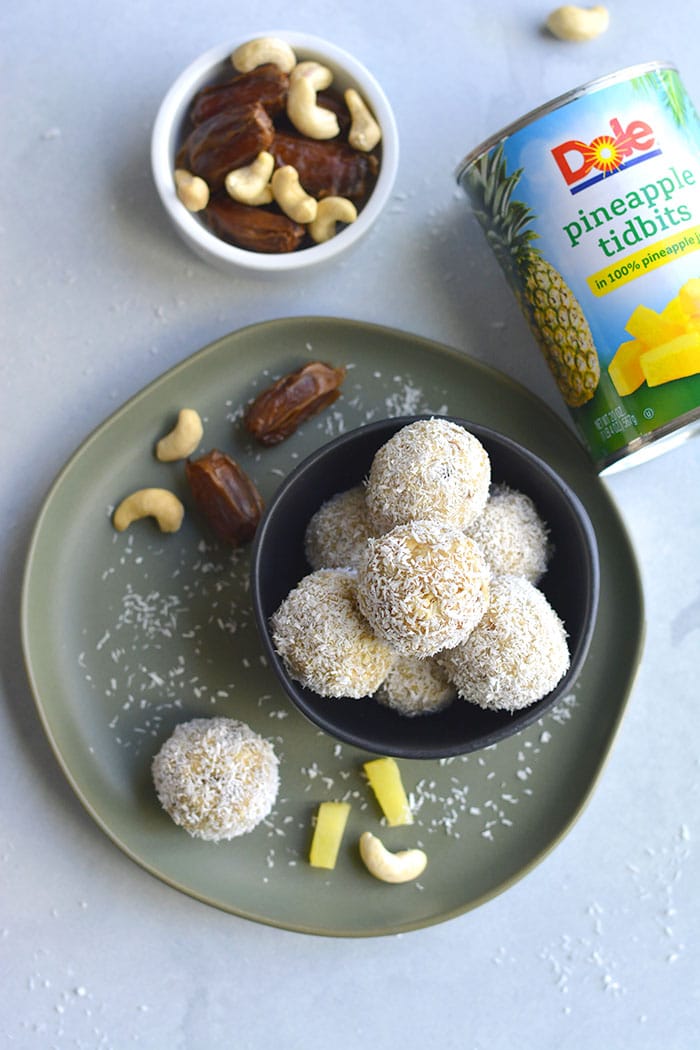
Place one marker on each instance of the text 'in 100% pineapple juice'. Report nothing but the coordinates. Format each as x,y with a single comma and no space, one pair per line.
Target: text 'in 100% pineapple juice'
592,206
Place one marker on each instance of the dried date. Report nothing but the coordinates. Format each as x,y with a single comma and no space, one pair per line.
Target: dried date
254,228
225,496
226,141
327,168
277,412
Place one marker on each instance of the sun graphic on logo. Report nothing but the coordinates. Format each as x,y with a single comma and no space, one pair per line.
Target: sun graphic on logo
604,154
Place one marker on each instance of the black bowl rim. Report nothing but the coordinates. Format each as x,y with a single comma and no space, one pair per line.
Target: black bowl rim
520,719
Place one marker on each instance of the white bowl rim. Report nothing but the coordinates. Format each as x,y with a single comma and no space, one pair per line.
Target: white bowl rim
172,110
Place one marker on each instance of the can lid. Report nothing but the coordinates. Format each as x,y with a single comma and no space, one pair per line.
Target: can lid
561,100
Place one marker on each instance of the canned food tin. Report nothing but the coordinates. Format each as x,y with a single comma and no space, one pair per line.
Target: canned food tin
591,204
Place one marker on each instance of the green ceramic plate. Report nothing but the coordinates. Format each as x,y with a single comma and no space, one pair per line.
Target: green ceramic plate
127,634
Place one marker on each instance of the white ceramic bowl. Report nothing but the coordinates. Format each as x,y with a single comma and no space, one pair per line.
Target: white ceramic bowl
167,133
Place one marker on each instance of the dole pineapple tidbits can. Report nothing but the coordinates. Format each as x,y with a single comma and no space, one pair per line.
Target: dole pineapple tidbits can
592,206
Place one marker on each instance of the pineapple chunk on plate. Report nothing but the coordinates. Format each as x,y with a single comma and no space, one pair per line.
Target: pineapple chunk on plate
328,834
385,780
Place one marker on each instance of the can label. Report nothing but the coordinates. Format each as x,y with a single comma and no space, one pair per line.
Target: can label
592,206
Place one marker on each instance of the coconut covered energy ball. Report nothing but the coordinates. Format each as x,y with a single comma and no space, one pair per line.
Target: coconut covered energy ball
416,687
429,469
516,654
512,536
337,531
325,642
216,778
422,587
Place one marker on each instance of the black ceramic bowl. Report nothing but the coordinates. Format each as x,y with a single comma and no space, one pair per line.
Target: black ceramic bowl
278,563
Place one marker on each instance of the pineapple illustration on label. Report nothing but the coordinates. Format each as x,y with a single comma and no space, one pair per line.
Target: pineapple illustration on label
550,307
592,206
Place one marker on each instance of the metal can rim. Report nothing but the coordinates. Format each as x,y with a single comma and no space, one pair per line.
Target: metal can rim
556,103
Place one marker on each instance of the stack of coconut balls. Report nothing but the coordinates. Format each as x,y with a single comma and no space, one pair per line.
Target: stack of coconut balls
424,585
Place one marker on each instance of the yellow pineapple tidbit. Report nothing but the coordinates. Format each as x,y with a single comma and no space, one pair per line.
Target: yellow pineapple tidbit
689,296
651,328
328,834
676,359
385,780
625,369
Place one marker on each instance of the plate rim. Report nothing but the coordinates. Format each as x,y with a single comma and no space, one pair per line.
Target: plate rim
463,357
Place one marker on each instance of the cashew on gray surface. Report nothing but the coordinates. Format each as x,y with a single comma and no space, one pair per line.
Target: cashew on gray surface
578,23
160,504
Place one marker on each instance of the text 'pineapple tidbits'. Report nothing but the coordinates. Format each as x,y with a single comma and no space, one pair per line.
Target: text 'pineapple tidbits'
592,206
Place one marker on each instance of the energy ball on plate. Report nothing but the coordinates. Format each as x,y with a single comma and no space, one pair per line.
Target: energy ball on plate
337,531
416,687
216,778
422,586
512,536
515,655
429,469
325,642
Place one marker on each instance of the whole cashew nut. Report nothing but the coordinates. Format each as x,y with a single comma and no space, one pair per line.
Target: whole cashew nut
262,50
330,211
578,23
291,196
302,108
403,866
251,184
160,504
191,189
364,133
182,439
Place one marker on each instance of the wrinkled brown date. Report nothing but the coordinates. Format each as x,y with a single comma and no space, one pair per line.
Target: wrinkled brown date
228,140
267,84
254,228
277,412
327,168
225,496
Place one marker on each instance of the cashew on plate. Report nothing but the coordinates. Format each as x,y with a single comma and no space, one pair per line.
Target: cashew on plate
403,866
160,504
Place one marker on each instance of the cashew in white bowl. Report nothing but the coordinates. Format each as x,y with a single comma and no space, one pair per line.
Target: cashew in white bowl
251,184
182,439
291,195
302,107
262,50
578,23
330,211
403,866
160,504
364,132
191,189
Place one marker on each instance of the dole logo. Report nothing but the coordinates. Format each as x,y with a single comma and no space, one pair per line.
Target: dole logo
605,155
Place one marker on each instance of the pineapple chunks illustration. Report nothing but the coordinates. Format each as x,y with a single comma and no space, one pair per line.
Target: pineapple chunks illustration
550,307
664,346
